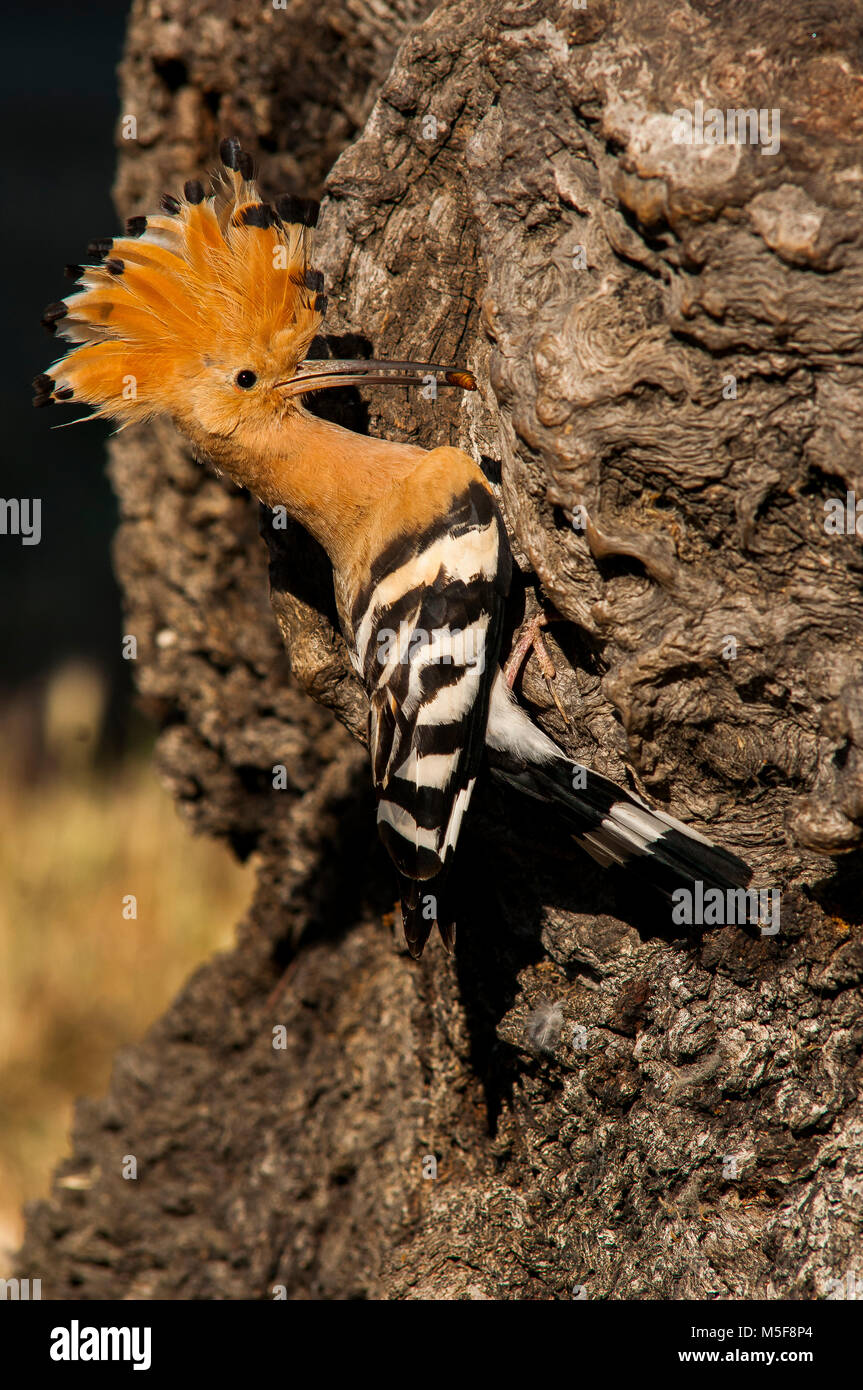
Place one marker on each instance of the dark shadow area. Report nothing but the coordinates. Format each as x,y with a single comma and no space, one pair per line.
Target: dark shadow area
329,902
517,865
58,105
841,893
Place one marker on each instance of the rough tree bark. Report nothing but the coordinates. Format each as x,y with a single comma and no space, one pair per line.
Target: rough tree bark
507,192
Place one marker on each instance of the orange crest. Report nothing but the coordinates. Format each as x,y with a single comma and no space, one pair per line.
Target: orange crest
213,290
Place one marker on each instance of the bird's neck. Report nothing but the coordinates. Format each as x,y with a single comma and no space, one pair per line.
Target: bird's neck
327,478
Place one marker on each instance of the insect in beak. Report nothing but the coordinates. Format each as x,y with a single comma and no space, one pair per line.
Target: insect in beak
317,374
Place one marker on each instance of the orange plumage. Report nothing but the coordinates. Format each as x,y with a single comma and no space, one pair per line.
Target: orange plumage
178,306
205,313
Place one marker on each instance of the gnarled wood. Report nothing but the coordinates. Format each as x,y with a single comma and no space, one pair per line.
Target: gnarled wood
668,342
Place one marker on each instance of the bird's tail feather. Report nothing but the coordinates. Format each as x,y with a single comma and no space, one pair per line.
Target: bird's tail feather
421,910
617,827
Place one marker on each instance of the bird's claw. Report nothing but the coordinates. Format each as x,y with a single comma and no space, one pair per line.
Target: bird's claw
529,641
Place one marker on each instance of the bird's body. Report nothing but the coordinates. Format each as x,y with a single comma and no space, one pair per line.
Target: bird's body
205,314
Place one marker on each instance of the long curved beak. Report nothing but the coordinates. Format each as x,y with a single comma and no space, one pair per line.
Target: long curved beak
318,374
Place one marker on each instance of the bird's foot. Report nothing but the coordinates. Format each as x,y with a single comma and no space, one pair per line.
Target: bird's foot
529,641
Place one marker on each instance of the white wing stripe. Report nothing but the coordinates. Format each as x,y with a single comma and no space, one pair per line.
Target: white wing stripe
465,649
402,821
429,770
467,556
451,702
460,805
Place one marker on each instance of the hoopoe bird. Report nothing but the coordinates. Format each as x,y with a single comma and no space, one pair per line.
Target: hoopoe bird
204,312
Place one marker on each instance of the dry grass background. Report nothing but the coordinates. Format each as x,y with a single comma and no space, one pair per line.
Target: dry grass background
77,979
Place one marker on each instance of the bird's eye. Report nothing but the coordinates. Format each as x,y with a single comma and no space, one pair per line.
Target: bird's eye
246,379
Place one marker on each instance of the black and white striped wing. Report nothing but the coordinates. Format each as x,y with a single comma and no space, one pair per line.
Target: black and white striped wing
428,631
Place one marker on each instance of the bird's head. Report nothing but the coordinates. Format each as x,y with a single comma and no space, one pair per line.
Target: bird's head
205,312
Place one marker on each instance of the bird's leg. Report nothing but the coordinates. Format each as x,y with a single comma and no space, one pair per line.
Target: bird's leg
531,641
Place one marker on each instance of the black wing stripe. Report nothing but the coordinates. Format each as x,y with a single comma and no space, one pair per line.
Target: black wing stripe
475,507
427,634
438,738
428,806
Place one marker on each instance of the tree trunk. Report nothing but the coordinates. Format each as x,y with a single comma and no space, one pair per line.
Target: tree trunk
667,338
